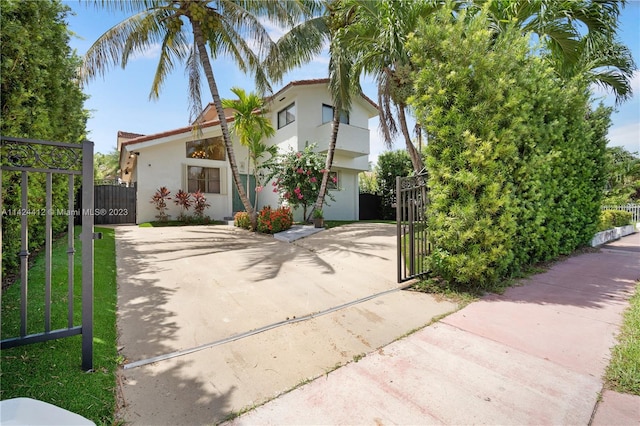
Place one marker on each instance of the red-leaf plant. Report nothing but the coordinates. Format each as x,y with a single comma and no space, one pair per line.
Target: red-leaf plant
160,200
199,204
183,199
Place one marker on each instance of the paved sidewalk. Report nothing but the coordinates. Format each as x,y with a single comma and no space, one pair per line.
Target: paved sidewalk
534,355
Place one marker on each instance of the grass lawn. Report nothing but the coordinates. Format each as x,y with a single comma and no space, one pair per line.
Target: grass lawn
51,371
623,373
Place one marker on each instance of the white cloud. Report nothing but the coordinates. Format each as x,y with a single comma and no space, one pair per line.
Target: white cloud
322,59
626,136
274,31
153,52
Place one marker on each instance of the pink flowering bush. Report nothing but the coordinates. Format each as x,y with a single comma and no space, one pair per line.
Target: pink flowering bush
298,175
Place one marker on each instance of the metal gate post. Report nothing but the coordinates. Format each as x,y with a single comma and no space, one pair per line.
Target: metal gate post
24,253
399,228
87,255
412,236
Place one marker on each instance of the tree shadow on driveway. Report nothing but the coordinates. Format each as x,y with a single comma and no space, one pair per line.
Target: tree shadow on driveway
359,244
146,328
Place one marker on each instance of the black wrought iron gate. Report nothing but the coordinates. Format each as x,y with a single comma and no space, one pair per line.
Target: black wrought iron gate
25,157
411,216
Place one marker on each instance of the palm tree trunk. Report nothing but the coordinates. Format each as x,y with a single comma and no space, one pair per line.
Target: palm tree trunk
329,162
208,71
248,177
416,158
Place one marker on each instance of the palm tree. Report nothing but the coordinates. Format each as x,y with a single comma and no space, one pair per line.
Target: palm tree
597,54
251,126
227,27
300,45
376,39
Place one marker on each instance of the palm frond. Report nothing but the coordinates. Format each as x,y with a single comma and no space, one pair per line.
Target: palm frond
297,47
340,81
388,125
175,48
614,81
194,75
246,24
286,13
239,35
126,6
114,48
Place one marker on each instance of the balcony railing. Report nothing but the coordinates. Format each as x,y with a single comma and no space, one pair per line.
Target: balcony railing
352,141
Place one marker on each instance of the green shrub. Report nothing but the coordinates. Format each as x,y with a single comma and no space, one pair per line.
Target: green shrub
612,218
41,99
242,220
274,221
515,155
391,164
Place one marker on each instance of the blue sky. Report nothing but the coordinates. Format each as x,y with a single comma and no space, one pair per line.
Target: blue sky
120,99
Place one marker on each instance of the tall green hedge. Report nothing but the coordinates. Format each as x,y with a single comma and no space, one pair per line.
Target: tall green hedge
40,99
515,156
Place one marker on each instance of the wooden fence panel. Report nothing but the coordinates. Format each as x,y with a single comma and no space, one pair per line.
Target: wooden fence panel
115,204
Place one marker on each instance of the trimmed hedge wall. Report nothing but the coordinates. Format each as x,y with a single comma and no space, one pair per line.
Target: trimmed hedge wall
613,218
515,155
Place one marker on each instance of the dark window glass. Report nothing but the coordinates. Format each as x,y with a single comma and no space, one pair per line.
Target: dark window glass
287,116
208,149
327,115
205,179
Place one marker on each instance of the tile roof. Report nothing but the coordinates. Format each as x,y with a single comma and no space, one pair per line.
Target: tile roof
146,138
128,135
137,138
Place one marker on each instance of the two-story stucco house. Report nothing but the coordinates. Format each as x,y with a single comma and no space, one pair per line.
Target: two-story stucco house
301,114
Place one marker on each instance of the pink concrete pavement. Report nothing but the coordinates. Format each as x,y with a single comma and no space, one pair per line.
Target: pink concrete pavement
534,355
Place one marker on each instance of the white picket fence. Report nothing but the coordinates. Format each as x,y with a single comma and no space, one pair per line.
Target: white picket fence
634,209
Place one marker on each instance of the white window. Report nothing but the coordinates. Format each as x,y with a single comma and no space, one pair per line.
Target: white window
287,116
327,115
205,179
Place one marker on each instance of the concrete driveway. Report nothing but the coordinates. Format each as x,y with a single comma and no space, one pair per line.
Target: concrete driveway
184,290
